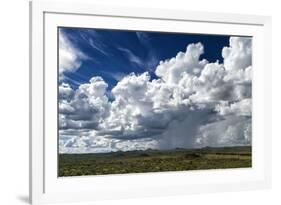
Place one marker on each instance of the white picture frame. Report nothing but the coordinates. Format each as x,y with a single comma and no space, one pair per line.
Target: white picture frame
46,187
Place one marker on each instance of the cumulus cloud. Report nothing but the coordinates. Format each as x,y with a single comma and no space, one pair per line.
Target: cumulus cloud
87,144
65,91
231,131
192,103
172,69
239,53
88,106
240,108
70,57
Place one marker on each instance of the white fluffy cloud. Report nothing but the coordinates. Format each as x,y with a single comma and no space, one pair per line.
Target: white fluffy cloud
193,103
70,57
238,55
171,70
232,130
240,108
65,91
88,106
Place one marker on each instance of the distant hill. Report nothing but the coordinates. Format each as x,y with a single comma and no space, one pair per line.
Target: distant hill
177,149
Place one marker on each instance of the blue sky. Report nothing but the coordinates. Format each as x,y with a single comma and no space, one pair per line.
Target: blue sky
128,90
113,54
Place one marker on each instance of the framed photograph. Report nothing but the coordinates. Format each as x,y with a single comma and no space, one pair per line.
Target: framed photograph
129,102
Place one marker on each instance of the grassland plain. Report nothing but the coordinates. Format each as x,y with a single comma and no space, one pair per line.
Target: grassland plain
178,159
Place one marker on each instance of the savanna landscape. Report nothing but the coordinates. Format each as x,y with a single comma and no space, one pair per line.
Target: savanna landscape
178,159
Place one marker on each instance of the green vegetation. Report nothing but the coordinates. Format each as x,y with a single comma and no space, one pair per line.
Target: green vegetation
154,161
